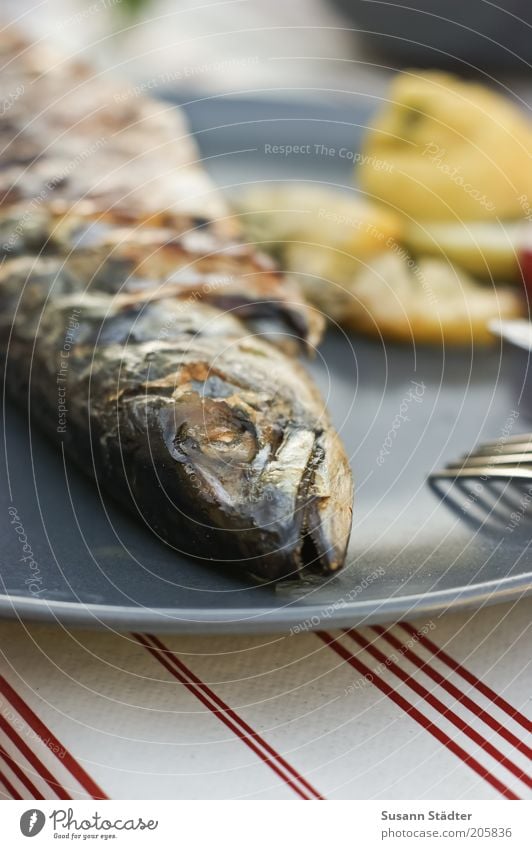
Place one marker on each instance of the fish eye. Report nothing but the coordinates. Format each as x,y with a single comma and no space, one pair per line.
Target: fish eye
214,430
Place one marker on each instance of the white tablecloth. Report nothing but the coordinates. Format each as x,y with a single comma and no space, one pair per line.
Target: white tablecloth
432,709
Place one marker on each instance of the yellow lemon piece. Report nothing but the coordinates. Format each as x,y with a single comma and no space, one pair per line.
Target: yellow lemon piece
403,299
428,301
279,214
487,249
453,150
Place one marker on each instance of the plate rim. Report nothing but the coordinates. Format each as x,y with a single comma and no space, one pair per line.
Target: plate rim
266,619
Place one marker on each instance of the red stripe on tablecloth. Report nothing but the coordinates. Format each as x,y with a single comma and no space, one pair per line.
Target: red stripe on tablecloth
450,688
44,733
37,765
247,729
21,775
229,717
469,677
442,708
416,715
9,787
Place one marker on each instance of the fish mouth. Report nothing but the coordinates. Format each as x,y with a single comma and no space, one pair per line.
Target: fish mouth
319,553
323,517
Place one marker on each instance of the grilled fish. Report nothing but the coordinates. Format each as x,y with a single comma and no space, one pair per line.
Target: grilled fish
153,345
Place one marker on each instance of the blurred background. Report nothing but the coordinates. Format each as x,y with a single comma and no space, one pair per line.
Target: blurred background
301,48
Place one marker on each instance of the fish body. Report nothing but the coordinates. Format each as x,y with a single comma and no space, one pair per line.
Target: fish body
156,348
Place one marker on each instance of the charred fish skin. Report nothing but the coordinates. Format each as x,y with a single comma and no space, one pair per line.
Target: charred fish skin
76,192
193,424
177,405
96,151
108,256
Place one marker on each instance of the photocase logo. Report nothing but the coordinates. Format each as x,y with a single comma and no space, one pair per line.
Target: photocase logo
32,822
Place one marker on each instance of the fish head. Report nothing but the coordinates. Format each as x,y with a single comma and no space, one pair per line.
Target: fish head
264,481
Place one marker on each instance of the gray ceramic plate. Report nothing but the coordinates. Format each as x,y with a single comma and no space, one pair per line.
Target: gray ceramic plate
402,411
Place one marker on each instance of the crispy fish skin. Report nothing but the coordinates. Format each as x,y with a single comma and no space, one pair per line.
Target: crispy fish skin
173,398
109,256
75,137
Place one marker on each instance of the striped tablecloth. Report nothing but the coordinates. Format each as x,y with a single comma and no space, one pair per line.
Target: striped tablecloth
433,709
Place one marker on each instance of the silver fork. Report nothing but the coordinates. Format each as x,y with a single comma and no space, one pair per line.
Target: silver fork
509,458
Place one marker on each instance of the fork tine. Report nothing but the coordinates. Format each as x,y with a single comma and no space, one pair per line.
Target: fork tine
508,440
508,472
486,450
509,458
495,459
